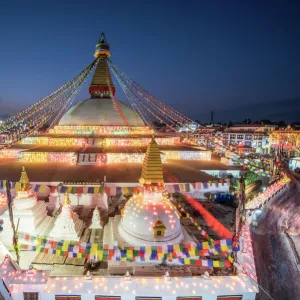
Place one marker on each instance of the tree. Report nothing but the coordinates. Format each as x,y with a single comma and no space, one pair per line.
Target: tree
247,121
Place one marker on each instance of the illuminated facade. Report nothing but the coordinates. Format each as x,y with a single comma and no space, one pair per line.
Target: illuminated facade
288,139
100,130
144,231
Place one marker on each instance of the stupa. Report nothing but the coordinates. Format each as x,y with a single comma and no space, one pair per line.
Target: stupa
25,198
96,220
67,226
150,218
102,130
30,215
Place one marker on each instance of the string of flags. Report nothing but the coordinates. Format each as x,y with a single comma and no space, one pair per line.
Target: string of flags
184,253
117,190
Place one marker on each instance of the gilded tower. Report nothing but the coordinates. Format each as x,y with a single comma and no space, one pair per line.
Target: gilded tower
102,85
152,170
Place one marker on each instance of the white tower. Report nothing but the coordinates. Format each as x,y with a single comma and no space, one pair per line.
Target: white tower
67,226
96,220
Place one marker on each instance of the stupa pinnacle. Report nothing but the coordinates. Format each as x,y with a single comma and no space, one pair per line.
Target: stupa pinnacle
24,180
152,170
102,85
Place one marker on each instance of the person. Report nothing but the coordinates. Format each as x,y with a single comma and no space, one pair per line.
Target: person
206,276
127,276
88,275
167,276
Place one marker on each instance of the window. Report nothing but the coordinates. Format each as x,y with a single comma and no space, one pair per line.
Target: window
30,296
232,136
148,298
107,298
240,137
230,298
68,297
158,233
189,298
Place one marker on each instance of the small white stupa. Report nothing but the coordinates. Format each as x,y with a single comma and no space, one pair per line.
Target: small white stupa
96,220
25,198
30,215
104,199
67,226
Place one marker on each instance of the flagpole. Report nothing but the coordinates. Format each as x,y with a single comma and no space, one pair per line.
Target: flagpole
11,217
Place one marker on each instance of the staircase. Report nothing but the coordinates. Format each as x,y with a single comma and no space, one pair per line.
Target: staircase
87,159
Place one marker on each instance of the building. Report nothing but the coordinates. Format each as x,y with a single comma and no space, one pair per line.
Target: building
100,130
147,246
287,139
129,237
254,135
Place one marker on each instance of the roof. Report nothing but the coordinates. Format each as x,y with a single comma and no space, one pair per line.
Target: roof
100,112
174,171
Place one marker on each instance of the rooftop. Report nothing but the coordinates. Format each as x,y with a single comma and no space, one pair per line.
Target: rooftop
178,170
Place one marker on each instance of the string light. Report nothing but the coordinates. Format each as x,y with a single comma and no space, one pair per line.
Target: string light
43,157
263,197
100,130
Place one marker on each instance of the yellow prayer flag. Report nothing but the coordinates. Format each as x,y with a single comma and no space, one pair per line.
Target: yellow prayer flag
181,186
129,253
65,246
148,250
43,188
192,252
58,252
187,261
94,248
124,190
176,248
100,254
216,263
17,186
69,190
205,245
224,248
230,259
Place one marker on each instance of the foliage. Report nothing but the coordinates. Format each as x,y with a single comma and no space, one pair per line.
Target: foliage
250,178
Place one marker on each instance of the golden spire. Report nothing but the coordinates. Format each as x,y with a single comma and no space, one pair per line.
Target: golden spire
67,200
152,170
24,180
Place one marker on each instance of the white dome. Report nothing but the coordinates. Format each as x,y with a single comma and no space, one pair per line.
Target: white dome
141,212
100,112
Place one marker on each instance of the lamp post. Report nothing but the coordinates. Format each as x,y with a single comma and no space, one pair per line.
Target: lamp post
11,217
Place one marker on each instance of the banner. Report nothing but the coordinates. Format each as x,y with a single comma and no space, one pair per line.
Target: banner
183,253
115,191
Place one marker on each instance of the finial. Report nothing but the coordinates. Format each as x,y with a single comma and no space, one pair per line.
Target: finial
102,47
24,180
67,199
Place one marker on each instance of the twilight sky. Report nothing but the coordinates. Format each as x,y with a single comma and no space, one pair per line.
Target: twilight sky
238,58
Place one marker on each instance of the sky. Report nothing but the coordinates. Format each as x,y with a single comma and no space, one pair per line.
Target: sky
240,59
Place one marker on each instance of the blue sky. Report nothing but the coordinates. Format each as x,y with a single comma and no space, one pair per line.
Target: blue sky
238,58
